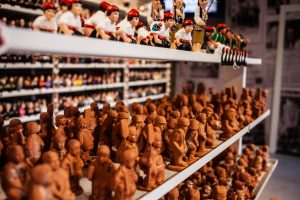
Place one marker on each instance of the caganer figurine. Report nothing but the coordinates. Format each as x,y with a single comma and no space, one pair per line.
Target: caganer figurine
184,36
46,22
106,29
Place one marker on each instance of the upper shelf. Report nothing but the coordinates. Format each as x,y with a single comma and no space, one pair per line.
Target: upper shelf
17,40
19,9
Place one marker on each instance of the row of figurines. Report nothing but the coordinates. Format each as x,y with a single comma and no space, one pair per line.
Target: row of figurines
181,141
224,178
228,176
166,29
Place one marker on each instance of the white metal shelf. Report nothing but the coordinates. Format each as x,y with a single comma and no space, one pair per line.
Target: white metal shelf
172,179
26,65
90,47
148,66
92,66
265,178
25,119
21,9
143,99
147,82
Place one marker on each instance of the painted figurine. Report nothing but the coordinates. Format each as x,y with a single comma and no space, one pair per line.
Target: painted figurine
47,21
179,16
34,144
106,29
125,178
183,36
70,22
126,28
92,22
73,164
162,38
155,12
100,173
200,18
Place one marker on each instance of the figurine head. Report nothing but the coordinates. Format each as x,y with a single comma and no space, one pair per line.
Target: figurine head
94,106
103,6
231,114
132,137
59,142
176,114
161,122
201,117
207,190
151,107
15,154
61,121
76,7
49,10
138,121
103,153
123,115
106,107
51,158
112,13
129,159
133,16
188,25
194,125
189,184
32,128
83,123
42,175
15,125
208,111
203,3
74,147
183,123
169,20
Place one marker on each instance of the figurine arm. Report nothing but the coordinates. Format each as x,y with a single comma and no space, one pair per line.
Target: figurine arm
197,17
124,37
101,32
65,29
90,172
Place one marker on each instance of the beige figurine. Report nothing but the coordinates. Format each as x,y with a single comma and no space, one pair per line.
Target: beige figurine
41,187
177,145
125,178
100,173
192,140
15,177
60,177
34,144
73,164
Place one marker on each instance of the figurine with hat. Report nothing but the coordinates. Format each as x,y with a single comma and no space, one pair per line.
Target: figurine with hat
208,44
70,22
46,22
126,28
219,36
92,22
162,38
106,29
155,12
143,35
63,8
183,36
200,18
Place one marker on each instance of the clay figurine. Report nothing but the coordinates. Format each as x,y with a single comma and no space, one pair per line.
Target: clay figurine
206,192
151,162
173,194
177,145
100,173
202,134
47,21
192,140
86,139
125,178
16,132
58,146
60,177
41,187
162,38
73,164
107,127
120,129
230,125
34,144
15,176
191,192
219,192
47,129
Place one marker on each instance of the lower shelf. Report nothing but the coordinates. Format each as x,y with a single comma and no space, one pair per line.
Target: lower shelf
265,178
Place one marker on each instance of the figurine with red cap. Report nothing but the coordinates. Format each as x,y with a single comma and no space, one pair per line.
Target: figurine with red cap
162,38
46,22
106,29
63,9
179,16
183,36
70,22
126,28
220,35
208,44
92,22
143,36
